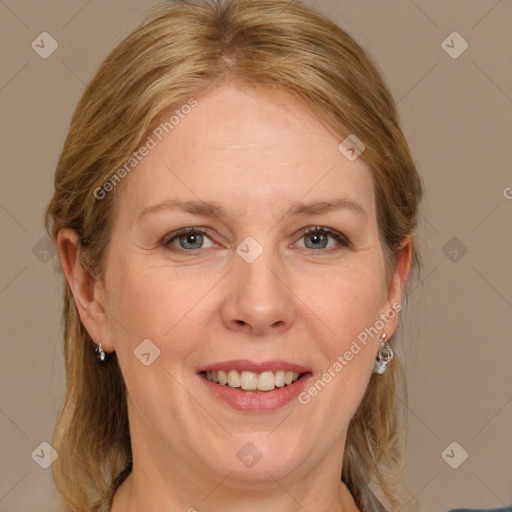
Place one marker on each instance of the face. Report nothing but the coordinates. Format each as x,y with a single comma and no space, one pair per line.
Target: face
247,283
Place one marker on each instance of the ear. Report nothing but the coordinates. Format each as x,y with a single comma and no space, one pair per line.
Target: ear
87,290
396,287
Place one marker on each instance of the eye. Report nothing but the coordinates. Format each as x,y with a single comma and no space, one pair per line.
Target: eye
191,239
188,239
320,238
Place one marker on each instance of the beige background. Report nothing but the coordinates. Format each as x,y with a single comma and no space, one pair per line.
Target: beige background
457,116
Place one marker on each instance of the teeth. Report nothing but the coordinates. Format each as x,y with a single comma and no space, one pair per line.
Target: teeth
222,376
250,381
233,379
212,377
279,380
266,381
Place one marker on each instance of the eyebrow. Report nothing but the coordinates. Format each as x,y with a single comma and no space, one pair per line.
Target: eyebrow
212,208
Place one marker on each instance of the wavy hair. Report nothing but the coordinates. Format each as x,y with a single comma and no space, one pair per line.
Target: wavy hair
179,50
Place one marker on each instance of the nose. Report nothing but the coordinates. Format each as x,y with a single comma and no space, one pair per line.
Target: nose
259,301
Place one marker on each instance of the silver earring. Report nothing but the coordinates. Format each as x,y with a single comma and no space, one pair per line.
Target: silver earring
101,353
384,356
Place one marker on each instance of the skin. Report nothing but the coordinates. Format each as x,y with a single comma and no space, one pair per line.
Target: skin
255,154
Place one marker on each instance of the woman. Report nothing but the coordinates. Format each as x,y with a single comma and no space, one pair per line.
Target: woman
235,210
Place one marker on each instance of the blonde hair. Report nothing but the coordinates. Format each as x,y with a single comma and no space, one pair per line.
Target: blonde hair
179,50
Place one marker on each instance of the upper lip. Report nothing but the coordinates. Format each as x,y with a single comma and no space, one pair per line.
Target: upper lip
251,366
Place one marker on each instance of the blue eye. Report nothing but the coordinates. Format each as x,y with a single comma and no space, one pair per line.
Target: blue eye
192,239
320,236
188,238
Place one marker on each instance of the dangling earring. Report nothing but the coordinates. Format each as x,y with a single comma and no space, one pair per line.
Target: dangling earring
384,356
101,353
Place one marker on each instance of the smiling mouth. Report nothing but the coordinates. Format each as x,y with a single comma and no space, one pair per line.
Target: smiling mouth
251,382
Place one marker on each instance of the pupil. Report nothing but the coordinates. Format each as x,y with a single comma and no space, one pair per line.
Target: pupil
317,238
191,238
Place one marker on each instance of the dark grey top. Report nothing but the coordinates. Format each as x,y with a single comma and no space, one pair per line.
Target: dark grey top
504,509
376,505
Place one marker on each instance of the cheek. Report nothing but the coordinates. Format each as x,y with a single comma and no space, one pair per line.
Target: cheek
349,302
152,301
350,309
142,300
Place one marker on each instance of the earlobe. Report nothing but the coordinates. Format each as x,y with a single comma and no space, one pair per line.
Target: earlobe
84,287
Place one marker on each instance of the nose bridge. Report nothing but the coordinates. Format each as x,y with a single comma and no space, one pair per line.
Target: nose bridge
259,276
259,296
257,267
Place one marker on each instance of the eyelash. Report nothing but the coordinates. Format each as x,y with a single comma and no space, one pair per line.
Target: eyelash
342,240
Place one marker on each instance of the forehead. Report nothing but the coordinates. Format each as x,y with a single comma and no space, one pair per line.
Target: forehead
245,149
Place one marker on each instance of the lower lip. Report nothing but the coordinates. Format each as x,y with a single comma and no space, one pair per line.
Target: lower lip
264,401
